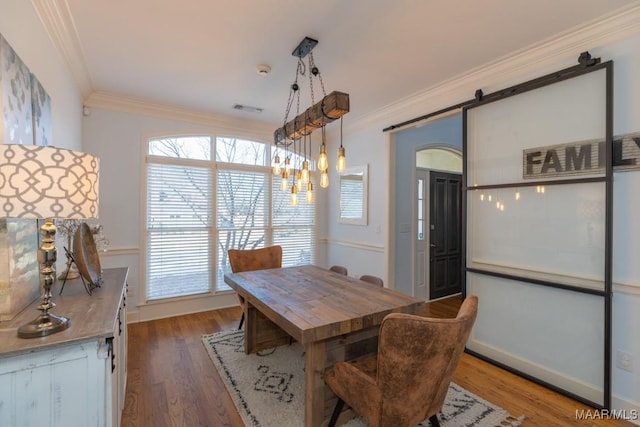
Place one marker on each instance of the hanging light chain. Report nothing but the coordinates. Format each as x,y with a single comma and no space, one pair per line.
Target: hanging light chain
315,71
293,91
295,133
301,70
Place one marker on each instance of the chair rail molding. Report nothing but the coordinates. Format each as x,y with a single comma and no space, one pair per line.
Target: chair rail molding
120,251
353,244
626,288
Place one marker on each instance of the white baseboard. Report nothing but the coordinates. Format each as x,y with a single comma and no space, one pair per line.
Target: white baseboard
177,307
630,409
543,373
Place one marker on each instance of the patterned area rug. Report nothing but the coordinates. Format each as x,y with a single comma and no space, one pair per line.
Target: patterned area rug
268,388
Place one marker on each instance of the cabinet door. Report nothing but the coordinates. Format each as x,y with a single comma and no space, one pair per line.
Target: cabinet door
60,387
118,363
113,386
122,377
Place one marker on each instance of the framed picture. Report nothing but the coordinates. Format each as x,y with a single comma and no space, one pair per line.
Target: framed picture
15,97
41,113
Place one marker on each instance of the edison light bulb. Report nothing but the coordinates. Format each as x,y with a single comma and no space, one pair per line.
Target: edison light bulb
284,184
305,172
309,192
294,195
287,164
299,180
323,163
341,164
324,179
276,166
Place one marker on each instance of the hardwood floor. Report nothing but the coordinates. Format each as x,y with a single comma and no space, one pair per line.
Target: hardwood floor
172,381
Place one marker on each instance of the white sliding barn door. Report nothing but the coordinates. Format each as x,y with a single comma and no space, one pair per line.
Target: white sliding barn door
538,230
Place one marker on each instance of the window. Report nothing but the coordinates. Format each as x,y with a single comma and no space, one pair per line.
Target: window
353,196
197,208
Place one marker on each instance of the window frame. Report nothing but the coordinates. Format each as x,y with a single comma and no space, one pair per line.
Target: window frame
215,231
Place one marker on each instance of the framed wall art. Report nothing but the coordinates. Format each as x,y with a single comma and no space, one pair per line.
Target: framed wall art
15,97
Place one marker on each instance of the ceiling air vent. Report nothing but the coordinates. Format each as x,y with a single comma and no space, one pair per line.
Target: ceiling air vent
247,108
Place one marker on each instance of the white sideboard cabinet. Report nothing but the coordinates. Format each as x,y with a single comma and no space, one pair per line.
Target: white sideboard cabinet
76,377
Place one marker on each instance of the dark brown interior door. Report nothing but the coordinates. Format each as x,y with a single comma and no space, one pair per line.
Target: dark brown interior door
445,234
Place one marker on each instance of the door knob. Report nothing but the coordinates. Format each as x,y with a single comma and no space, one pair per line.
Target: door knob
433,245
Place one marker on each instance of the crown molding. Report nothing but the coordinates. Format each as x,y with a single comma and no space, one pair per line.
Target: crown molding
563,48
58,23
115,102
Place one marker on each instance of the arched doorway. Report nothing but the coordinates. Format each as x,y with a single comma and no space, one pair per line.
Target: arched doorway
444,135
437,240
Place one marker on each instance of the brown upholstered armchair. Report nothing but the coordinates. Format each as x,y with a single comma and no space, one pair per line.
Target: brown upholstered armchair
408,380
251,260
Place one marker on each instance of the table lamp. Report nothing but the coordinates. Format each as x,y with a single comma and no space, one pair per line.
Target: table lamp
47,183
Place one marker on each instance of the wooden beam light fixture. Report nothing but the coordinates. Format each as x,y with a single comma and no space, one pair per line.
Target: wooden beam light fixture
330,108
292,135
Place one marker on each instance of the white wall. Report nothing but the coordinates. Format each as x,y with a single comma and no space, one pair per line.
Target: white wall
626,211
360,248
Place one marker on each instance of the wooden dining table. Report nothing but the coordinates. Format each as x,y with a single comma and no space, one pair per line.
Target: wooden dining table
335,318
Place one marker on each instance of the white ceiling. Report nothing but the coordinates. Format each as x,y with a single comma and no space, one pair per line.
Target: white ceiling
202,54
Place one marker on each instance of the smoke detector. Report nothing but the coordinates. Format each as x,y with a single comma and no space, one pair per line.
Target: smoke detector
263,69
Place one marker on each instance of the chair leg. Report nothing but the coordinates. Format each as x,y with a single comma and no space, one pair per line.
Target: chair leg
336,412
241,321
434,421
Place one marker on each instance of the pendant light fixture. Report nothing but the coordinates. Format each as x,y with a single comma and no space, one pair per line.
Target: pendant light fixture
323,163
331,107
341,164
276,165
309,192
294,195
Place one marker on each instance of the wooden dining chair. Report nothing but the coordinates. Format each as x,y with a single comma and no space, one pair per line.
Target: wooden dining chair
339,269
374,280
407,381
251,260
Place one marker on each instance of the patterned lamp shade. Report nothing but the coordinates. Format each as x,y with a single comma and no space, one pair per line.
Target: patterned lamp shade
47,182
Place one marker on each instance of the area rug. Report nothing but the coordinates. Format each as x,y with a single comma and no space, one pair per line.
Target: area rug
268,388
